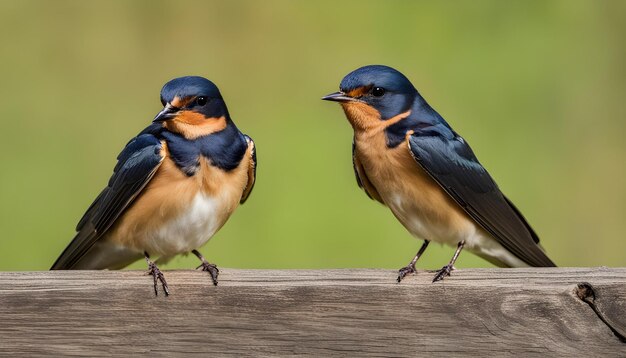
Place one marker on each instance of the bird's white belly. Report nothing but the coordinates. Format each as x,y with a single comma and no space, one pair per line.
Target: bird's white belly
421,226
192,228
476,240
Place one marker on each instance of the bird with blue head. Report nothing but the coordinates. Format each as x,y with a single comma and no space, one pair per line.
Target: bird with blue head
408,158
174,186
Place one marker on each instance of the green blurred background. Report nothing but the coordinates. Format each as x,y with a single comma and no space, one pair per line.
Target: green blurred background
537,87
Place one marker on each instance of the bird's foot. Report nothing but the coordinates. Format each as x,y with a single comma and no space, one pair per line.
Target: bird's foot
158,276
211,269
408,269
445,271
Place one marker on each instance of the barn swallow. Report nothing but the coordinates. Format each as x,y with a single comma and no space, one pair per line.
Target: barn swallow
174,186
407,157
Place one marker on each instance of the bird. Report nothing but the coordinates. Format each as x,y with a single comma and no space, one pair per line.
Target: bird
174,186
408,158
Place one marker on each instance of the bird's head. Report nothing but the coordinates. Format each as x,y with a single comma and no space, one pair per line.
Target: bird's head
192,107
372,94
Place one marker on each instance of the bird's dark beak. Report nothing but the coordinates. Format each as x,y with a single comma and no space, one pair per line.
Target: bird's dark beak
168,112
337,97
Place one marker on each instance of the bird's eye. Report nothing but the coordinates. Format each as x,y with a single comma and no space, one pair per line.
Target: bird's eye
162,101
201,101
378,91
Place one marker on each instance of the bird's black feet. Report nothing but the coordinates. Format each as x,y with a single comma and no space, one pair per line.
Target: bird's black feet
408,269
445,271
158,276
211,269
208,267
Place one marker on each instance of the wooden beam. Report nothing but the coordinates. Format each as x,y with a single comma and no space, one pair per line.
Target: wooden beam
350,312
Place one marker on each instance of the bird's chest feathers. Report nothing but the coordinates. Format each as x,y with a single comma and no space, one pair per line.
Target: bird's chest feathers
193,226
224,150
207,199
381,163
413,196
178,212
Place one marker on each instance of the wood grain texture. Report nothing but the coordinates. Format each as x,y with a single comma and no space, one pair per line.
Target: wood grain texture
350,312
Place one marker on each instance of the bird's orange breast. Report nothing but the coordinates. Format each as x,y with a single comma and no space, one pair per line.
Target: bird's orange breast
418,202
170,195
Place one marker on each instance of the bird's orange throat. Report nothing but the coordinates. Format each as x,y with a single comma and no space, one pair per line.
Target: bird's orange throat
364,118
193,125
360,115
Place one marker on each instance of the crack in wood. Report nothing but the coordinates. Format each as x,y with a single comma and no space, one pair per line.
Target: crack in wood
587,294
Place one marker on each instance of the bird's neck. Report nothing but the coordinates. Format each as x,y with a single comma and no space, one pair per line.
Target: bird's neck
224,149
423,120
365,119
197,126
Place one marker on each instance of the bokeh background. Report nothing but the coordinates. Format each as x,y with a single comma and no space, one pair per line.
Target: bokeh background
537,87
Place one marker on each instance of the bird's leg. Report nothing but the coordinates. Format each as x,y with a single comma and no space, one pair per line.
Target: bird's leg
206,266
410,268
157,275
445,271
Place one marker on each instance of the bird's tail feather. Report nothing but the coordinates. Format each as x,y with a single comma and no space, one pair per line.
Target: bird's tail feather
74,251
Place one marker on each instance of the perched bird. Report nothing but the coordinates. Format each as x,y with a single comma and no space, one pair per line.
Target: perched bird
407,157
174,186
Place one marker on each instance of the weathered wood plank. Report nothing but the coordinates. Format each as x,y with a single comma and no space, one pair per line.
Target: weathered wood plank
476,312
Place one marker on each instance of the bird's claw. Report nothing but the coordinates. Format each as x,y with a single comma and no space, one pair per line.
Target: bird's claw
405,271
211,269
158,276
441,274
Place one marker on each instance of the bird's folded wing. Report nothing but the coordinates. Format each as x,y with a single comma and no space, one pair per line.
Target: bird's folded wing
136,165
454,166
361,178
251,170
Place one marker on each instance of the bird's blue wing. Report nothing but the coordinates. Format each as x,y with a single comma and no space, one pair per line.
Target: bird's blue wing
136,165
453,165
